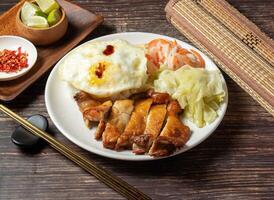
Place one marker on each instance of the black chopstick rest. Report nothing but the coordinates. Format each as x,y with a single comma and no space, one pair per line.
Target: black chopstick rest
23,138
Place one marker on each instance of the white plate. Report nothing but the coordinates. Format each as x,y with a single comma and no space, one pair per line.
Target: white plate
12,43
64,112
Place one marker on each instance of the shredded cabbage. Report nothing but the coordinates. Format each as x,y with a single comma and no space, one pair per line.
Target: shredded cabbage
199,92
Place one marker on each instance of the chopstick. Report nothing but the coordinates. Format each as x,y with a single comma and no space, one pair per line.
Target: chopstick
101,174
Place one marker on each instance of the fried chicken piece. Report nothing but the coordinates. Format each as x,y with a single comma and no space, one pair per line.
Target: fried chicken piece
174,108
93,111
158,97
174,134
136,125
155,120
119,117
100,129
98,113
85,102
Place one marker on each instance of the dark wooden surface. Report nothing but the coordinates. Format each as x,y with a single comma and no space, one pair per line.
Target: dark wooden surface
236,162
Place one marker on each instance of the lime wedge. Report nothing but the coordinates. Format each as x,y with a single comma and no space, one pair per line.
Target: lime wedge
47,5
54,17
37,22
28,10
41,14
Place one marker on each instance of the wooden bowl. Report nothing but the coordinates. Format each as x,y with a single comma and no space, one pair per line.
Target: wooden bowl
43,36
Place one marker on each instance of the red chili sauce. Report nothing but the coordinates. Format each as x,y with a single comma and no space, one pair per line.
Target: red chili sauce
100,70
109,50
13,60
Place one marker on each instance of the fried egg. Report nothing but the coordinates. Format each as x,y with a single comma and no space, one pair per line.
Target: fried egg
105,68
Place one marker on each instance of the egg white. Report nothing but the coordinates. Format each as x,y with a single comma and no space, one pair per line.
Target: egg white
126,69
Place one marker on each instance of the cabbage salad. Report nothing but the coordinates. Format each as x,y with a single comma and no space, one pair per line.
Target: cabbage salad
199,92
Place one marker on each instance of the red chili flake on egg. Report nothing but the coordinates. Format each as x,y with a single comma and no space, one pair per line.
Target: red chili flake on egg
109,50
100,70
13,60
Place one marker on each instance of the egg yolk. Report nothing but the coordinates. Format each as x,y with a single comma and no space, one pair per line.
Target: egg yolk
97,73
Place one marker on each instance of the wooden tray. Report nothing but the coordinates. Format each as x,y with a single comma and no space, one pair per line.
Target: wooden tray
81,24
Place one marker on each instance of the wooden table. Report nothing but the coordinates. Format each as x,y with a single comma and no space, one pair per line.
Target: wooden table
236,162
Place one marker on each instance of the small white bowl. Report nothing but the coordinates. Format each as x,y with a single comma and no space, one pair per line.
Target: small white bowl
13,43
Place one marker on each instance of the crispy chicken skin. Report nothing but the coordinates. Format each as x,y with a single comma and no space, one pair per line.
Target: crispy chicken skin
136,125
93,111
119,117
100,129
155,120
98,113
158,98
174,134
85,102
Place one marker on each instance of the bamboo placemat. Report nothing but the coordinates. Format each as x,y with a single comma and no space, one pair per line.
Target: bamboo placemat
237,45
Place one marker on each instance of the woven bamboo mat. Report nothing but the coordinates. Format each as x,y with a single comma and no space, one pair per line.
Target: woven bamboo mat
237,45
